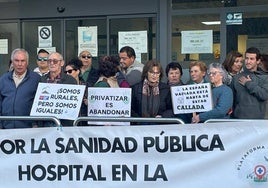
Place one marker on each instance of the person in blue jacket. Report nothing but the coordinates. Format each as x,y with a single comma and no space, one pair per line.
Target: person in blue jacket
17,90
222,95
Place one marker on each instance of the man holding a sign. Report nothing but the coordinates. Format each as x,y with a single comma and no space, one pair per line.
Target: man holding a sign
57,76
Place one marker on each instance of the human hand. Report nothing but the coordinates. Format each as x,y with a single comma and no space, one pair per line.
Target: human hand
85,101
244,79
195,119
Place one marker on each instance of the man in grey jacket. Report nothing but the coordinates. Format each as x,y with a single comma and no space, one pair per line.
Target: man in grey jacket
131,68
250,88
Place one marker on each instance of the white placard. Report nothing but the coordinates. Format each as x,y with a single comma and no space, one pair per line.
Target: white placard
3,46
135,39
197,41
109,102
191,98
60,100
44,36
88,39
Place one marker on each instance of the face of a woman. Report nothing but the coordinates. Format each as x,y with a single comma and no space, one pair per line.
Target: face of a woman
215,76
196,74
154,75
174,75
86,59
71,71
237,66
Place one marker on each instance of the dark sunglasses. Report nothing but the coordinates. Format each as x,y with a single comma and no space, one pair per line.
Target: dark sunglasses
70,71
42,58
86,56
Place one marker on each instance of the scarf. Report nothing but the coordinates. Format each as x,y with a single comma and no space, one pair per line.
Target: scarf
150,99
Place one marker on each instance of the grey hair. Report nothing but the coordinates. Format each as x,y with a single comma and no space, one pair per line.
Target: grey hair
57,53
19,50
222,71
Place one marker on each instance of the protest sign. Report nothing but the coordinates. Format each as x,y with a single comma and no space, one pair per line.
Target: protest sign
191,98
109,102
60,100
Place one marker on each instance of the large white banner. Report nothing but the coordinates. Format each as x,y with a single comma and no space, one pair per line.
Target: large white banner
201,155
60,100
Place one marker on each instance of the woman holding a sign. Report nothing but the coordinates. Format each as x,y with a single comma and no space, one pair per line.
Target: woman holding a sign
151,97
222,96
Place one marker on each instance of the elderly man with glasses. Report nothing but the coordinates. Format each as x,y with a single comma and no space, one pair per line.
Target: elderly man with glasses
56,75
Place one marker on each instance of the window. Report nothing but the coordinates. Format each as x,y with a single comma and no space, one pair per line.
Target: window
9,32
30,38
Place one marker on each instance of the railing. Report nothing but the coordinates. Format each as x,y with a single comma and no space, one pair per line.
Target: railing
32,118
232,120
129,119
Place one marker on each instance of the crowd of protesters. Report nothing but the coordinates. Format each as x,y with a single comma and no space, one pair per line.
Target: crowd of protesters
239,85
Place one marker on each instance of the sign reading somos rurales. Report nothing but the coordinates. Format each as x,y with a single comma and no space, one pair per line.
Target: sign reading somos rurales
191,98
60,100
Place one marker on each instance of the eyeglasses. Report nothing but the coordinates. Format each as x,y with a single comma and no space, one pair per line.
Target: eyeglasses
154,73
70,71
53,61
86,56
213,73
42,58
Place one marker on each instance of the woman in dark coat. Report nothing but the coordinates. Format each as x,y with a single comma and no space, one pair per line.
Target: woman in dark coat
151,97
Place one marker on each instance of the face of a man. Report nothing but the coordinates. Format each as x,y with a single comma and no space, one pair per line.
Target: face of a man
251,62
42,60
20,63
196,74
55,63
125,61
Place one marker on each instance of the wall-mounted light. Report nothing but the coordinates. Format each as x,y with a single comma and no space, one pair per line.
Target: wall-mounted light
212,23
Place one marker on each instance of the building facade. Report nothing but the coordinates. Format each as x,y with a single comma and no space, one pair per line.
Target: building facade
237,24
